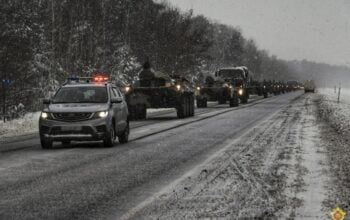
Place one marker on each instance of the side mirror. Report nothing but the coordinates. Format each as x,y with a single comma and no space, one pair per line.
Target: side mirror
116,100
46,101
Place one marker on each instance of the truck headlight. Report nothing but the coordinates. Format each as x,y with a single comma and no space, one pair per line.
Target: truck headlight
240,91
102,114
44,115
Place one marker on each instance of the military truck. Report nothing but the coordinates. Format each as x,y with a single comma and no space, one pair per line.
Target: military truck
309,86
159,91
233,85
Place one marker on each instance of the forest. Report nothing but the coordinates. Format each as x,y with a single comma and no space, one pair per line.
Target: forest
44,41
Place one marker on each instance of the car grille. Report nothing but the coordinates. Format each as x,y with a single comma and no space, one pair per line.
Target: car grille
76,116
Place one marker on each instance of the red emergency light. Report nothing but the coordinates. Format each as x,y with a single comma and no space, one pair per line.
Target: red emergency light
100,78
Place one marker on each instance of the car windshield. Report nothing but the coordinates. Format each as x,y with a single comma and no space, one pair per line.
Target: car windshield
81,95
231,73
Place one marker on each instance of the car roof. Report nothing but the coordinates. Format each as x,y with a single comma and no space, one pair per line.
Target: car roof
86,85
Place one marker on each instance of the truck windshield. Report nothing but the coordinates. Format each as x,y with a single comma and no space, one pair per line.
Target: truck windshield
231,73
81,95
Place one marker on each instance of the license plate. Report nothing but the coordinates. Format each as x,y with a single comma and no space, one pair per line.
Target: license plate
71,128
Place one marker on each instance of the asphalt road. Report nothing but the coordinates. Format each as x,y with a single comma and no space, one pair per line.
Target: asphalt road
86,181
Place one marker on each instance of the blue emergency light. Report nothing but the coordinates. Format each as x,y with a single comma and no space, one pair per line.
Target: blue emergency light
7,81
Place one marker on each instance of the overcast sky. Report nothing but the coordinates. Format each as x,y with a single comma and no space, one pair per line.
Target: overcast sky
317,30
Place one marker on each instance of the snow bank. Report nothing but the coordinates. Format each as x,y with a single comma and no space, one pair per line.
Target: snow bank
28,124
337,114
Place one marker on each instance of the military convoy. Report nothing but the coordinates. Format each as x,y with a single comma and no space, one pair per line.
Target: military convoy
233,85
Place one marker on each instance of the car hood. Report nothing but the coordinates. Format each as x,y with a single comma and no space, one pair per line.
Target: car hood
77,107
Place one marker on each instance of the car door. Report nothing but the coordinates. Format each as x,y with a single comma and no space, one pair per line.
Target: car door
121,118
117,110
125,111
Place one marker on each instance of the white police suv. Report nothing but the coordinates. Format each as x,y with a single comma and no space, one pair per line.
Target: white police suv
85,109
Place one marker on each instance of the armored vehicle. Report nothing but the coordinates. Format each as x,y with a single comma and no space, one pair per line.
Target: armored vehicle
232,84
159,90
309,86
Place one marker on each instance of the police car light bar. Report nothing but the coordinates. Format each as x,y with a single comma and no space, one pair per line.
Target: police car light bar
78,79
98,78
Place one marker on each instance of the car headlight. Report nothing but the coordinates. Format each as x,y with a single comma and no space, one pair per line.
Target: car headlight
44,115
127,89
240,91
178,87
198,88
102,114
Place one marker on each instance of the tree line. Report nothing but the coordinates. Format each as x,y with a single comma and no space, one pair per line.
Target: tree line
44,41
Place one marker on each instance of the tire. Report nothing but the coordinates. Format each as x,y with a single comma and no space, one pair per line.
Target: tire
124,137
181,109
188,107
199,103
191,106
205,103
132,113
142,112
234,101
46,144
110,138
244,99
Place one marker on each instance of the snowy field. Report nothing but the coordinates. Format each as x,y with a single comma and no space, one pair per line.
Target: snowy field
22,126
337,114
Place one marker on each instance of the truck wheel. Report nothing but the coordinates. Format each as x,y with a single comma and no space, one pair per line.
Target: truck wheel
124,137
132,113
110,137
191,106
181,109
205,103
244,99
234,101
142,112
200,103
188,106
46,144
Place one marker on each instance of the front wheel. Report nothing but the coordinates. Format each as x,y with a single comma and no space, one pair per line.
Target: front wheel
234,101
109,139
46,144
124,137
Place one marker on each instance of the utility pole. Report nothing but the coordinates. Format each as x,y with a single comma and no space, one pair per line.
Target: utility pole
339,92
3,100
5,82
